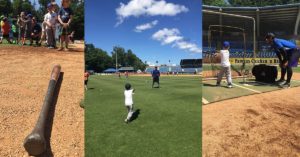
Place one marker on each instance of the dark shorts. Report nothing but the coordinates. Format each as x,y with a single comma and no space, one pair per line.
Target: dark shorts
156,79
36,38
65,31
5,35
85,82
293,58
22,32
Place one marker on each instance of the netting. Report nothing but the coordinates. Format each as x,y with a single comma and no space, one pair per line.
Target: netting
218,28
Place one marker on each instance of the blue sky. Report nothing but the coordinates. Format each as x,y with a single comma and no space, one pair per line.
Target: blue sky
157,30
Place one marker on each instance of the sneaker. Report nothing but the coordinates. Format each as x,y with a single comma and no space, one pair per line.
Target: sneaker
285,85
218,84
60,49
50,47
126,120
229,86
280,81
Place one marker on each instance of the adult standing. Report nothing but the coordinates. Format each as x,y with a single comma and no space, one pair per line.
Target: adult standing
155,77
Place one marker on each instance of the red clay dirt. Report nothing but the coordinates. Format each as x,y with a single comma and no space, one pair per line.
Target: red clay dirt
262,125
25,73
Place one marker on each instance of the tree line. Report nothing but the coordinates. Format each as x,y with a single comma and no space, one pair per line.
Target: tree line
248,3
99,60
13,8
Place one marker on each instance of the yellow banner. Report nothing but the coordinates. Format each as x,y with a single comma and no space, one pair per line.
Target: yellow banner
255,60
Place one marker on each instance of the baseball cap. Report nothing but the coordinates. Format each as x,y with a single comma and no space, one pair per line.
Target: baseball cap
49,5
226,44
270,35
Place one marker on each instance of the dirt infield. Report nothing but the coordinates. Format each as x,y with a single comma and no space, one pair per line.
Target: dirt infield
265,124
25,73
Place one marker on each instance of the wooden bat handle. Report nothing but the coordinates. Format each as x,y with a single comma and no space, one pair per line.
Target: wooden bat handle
35,143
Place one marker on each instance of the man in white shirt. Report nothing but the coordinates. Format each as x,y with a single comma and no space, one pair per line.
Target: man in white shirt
128,93
225,65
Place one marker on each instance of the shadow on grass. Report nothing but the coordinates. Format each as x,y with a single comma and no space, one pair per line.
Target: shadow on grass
135,115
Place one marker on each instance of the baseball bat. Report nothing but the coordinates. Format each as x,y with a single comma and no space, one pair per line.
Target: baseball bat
35,143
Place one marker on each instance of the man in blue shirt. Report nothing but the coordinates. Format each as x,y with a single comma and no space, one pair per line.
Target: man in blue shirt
288,54
155,76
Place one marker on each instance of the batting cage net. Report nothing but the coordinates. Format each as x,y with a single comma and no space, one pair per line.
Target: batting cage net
239,32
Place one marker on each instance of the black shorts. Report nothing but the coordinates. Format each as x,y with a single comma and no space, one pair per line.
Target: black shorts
5,36
85,82
156,79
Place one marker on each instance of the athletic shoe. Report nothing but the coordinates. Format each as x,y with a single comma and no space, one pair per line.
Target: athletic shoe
279,82
60,49
229,86
218,84
285,85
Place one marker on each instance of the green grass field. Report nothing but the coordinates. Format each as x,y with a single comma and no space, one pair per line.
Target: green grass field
169,123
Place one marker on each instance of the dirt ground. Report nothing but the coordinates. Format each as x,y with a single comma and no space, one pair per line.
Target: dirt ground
25,73
262,125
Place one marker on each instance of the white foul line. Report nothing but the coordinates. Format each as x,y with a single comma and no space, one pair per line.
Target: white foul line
256,91
204,101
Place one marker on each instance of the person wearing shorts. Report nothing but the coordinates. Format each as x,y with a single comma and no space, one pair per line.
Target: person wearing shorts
86,79
128,93
5,29
36,32
288,54
155,77
65,16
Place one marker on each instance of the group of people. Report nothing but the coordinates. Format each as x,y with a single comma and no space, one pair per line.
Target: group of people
30,30
288,54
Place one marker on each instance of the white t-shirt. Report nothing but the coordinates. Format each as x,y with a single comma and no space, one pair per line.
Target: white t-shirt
128,97
225,58
52,18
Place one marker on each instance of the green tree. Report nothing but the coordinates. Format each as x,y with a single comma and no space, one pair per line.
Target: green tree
214,2
5,7
78,19
96,59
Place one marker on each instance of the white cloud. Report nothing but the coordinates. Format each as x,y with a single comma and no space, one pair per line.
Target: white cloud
143,27
138,8
173,36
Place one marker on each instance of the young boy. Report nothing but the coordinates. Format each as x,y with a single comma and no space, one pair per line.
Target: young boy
5,29
50,22
35,32
65,16
128,93
28,28
22,24
86,79
225,65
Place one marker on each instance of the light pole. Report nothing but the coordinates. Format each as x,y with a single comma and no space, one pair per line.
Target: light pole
116,62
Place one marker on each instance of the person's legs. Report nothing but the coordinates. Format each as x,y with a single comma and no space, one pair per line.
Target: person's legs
62,39
158,81
50,38
220,75
153,80
283,72
130,112
228,76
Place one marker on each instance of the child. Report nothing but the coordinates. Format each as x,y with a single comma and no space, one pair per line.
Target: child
5,29
50,22
128,101
43,35
86,79
65,16
225,65
35,32
21,23
28,27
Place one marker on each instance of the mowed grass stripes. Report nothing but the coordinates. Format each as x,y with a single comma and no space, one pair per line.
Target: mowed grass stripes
169,123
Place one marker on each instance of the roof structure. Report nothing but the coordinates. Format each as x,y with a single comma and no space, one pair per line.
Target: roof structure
282,19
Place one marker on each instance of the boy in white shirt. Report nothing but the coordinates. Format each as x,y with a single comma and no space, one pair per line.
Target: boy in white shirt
50,22
225,65
128,93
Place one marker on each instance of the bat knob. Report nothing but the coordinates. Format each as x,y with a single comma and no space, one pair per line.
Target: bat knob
35,144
